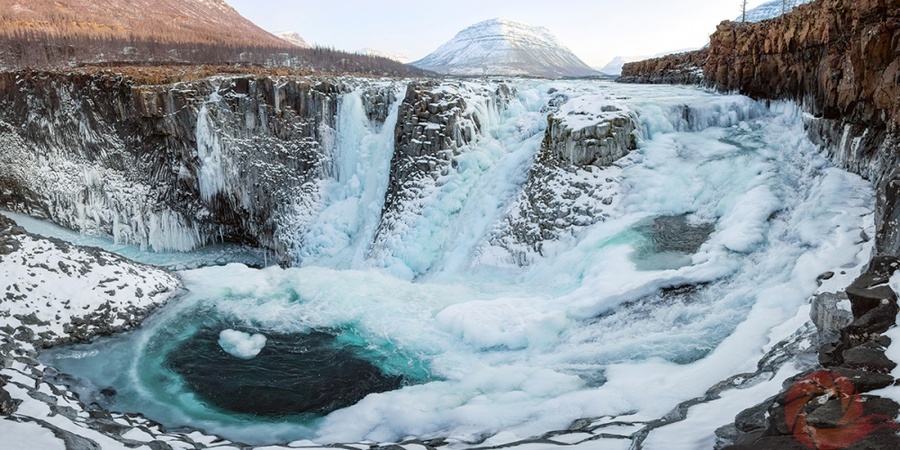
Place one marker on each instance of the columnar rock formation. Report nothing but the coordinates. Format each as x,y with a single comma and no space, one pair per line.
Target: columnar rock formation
838,57
564,192
237,158
165,167
841,60
431,128
242,158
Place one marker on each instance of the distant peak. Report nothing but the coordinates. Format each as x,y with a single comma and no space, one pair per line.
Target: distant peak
294,38
382,54
505,47
501,21
506,25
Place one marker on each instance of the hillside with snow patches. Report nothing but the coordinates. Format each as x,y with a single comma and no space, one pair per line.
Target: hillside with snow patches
505,47
770,10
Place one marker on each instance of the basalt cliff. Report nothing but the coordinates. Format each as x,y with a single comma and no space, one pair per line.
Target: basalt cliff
839,60
246,159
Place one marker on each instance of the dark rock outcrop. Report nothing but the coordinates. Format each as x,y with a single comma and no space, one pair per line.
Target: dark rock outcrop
7,404
827,405
599,144
679,68
828,317
565,192
431,128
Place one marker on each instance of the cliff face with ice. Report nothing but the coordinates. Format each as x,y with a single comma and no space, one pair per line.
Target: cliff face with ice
250,160
170,167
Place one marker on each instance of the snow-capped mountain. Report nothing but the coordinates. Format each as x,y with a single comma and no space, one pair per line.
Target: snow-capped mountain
294,38
505,47
394,56
770,10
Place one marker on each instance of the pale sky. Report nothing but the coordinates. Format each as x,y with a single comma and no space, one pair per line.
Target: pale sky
595,30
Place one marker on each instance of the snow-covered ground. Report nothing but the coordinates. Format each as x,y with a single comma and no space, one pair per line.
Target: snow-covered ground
63,293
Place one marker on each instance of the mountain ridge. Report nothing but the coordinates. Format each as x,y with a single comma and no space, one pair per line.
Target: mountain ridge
770,10
294,38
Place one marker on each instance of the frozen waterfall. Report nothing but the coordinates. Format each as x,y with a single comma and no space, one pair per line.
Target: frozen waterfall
715,233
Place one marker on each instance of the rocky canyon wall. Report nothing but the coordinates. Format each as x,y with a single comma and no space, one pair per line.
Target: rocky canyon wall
839,59
680,68
168,167
248,159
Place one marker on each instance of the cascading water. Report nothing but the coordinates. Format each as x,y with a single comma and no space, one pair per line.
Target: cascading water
342,232
725,216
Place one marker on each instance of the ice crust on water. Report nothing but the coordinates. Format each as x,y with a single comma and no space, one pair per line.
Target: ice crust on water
207,256
240,344
510,353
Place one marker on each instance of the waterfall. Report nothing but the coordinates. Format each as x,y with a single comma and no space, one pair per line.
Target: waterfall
213,162
342,230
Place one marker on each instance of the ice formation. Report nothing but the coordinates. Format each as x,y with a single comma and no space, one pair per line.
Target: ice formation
240,344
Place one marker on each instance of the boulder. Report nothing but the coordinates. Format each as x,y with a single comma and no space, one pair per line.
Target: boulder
871,290
828,317
868,357
8,404
865,381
